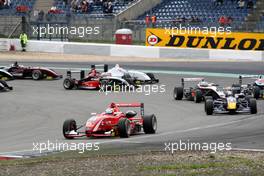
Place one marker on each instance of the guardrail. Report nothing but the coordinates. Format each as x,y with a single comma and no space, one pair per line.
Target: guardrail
137,51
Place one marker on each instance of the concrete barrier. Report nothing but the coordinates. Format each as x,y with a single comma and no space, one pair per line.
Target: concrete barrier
134,51
137,51
236,55
87,49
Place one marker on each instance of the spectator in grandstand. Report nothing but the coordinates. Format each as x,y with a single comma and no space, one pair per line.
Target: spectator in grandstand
195,20
217,2
214,2
98,2
90,2
108,7
41,15
250,4
241,4
7,3
2,4
65,2
220,2
154,21
74,5
84,6
147,20
225,21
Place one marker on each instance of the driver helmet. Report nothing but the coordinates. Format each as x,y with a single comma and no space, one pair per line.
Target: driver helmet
15,64
229,93
204,83
109,111
112,105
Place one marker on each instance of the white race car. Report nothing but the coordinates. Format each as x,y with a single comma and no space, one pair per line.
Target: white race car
137,76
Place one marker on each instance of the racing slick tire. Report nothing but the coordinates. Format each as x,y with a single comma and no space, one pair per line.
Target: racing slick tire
256,92
5,86
253,105
36,75
198,96
68,126
205,99
152,77
209,106
150,124
178,93
68,84
124,128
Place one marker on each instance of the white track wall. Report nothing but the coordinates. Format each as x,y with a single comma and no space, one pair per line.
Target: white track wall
137,51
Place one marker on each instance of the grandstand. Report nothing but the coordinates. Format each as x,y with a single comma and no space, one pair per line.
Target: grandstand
95,9
170,12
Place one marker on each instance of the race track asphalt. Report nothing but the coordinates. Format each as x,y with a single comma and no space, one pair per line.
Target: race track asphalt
35,110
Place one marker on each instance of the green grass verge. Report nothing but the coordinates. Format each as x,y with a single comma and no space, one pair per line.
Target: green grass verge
120,162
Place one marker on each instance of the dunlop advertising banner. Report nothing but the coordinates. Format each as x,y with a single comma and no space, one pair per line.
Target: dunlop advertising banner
195,39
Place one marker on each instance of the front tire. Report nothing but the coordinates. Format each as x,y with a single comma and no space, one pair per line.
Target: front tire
178,93
124,128
37,75
68,126
209,106
256,92
253,106
205,99
150,124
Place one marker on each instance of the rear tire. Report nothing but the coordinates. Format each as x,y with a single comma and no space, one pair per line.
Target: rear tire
124,128
209,106
253,106
68,84
198,96
36,75
178,93
150,124
256,92
68,126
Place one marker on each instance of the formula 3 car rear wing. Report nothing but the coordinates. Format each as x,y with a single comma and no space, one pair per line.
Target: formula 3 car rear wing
104,66
241,77
183,80
133,105
82,73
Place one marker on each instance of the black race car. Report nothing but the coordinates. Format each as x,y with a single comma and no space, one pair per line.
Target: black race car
36,73
4,86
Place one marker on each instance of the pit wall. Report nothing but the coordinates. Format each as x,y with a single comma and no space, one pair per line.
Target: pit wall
137,51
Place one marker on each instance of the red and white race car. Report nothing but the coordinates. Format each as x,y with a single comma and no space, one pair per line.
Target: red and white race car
113,122
199,91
